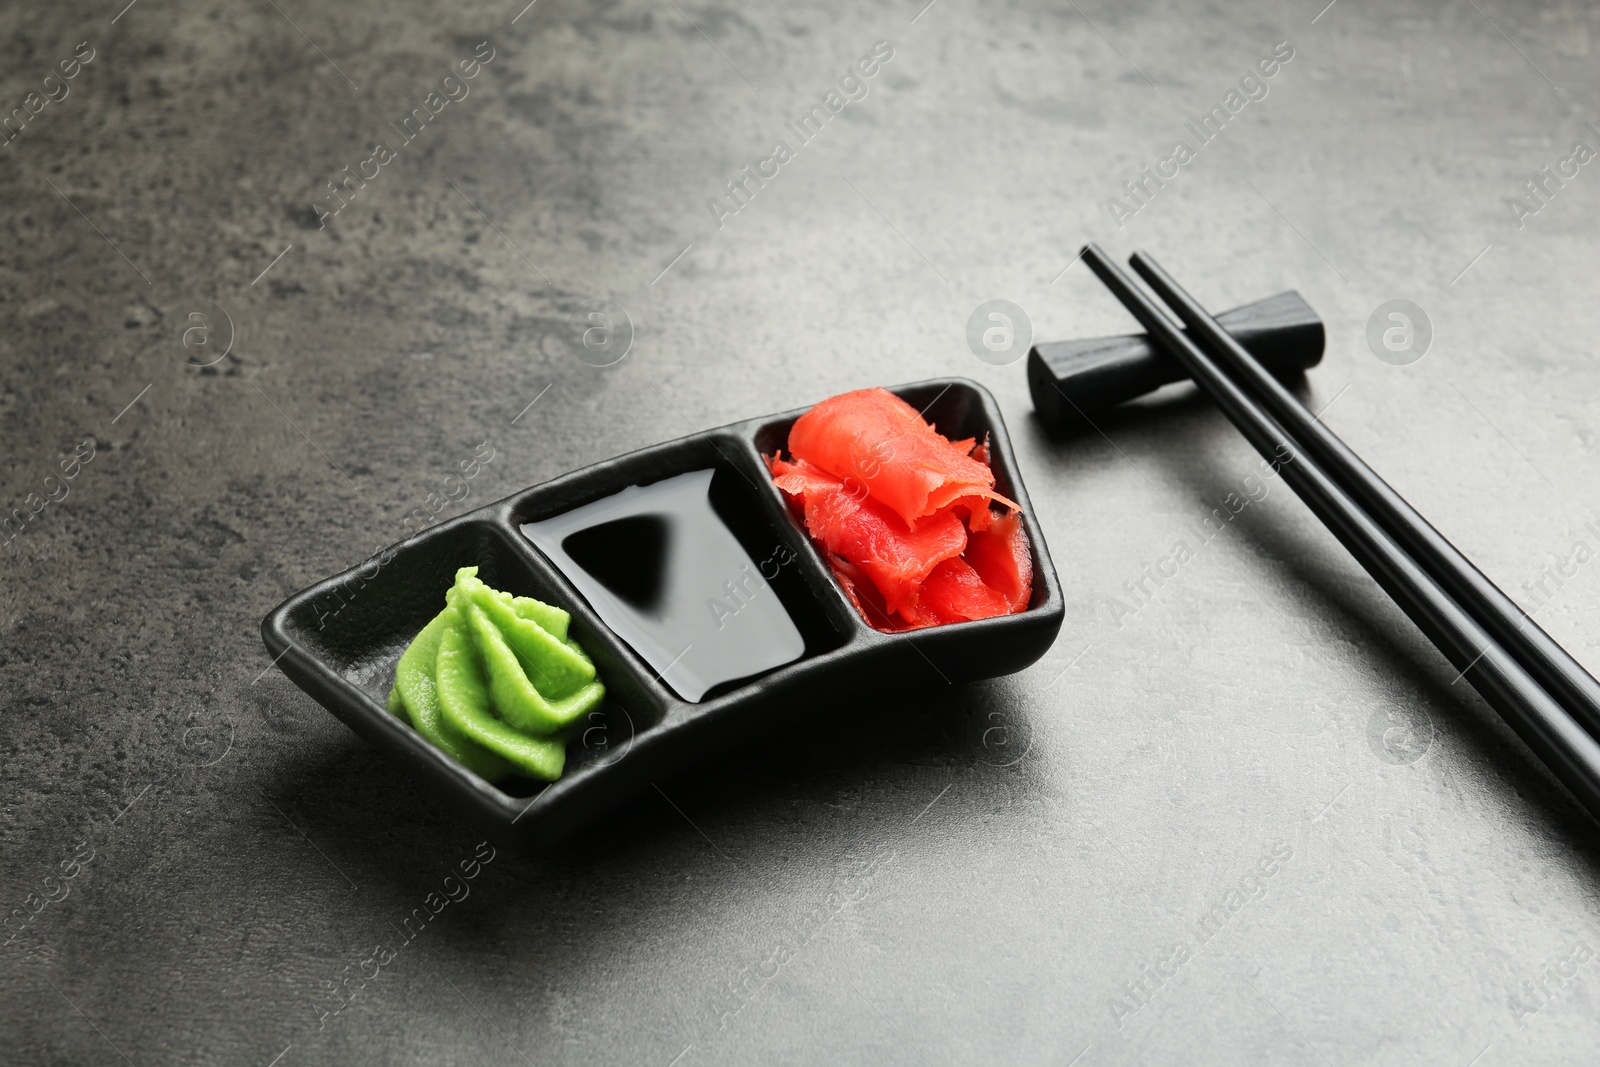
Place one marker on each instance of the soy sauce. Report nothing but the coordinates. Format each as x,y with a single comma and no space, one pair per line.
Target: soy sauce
664,571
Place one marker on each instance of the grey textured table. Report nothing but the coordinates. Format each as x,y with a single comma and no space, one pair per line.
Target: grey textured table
1239,814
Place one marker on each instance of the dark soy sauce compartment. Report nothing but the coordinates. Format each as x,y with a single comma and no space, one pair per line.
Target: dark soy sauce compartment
687,570
736,496
368,620
660,568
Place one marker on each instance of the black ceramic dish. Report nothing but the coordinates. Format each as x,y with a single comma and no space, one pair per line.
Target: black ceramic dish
339,639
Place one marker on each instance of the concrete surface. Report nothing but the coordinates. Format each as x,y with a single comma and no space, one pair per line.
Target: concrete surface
1014,872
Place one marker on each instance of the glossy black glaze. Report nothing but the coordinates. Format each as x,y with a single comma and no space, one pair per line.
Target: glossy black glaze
339,639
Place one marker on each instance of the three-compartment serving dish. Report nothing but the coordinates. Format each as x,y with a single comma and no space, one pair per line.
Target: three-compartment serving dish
339,639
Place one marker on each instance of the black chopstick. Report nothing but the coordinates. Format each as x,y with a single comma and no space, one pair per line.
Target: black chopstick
1536,716
1554,668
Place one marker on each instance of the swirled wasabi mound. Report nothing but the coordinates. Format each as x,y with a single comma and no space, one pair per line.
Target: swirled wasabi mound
495,682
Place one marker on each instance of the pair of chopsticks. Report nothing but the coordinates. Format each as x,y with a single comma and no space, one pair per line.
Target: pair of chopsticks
1535,685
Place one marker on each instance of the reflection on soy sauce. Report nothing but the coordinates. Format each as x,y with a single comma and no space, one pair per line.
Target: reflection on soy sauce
662,569
627,556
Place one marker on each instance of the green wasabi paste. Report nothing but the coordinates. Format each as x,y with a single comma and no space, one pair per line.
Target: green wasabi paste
495,682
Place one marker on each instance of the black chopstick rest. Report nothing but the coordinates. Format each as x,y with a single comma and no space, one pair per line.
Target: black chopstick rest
1073,379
